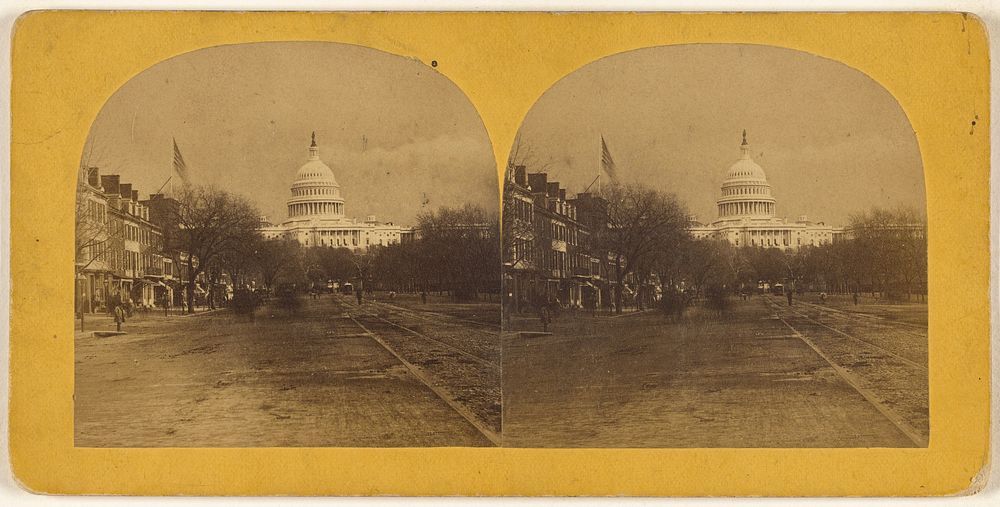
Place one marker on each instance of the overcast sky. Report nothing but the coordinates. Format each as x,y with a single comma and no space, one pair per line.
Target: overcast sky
830,139
242,116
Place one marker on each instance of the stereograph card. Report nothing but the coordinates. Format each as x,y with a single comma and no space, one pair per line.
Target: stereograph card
499,253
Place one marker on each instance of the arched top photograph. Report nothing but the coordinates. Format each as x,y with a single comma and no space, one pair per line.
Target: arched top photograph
753,217
301,238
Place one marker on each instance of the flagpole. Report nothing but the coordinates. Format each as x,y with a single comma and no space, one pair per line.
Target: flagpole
165,184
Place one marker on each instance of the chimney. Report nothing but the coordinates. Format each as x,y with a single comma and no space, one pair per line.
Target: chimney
135,195
562,193
110,183
520,175
537,181
126,190
93,176
552,189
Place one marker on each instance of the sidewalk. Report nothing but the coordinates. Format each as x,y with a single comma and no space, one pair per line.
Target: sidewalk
530,321
104,322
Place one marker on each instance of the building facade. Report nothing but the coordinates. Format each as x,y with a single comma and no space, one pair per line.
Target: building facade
119,249
746,213
547,255
316,213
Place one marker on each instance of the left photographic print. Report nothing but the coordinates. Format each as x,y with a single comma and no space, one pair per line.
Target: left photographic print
287,244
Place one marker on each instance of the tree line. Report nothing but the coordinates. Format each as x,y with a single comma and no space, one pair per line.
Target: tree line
457,251
883,251
215,233
642,236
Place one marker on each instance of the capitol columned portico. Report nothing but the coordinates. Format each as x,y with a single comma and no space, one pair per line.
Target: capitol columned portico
746,212
316,213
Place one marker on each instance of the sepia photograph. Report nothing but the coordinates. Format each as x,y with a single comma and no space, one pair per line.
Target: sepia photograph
258,253
284,245
715,245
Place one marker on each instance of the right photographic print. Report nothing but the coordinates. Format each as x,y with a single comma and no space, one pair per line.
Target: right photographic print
715,245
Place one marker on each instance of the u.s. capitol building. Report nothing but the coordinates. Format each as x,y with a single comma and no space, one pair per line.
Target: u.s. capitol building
316,213
746,213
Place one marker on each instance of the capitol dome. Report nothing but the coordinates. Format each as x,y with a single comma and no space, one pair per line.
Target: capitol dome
315,170
315,191
745,191
746,169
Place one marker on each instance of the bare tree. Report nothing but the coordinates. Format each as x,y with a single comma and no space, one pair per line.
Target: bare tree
892,244
640,222
207,224
273,257
93,231
518,237
336,263
464,246
517,234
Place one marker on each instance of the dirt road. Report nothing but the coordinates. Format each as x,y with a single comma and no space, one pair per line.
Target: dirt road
318,378
748,380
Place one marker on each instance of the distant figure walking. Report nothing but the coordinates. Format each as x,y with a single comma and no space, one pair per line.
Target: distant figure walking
855,297
114,302
590,304
119,317
357,293
544,316
788,294
822,297
423,297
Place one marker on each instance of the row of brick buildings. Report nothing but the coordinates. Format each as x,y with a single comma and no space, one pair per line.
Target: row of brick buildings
549,254
120,250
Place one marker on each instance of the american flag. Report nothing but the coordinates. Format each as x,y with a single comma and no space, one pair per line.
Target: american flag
179,166
607,163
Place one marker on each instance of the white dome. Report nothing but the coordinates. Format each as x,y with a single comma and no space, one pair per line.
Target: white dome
316,170
746,169
745,191
315,192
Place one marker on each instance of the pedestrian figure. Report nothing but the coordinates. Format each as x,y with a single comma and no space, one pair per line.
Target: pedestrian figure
590,304
119,317
554,307
788,294
423,297
357,293
114,302
822,297
543,314
855,296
